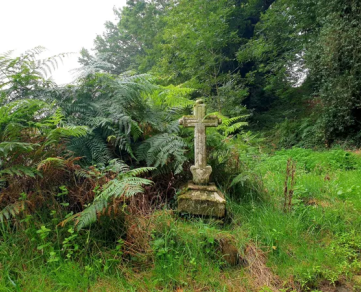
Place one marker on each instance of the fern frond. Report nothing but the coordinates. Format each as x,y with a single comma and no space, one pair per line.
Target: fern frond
123,143
5,59
89,215
51,162
20,147
117,166
239,179
229,125
172,96
160,149
55,119
12,210
173,127
235,127
18,170
164,170
119,187
62,132
123,187
33,52
12,131
43,67
92,147
139,171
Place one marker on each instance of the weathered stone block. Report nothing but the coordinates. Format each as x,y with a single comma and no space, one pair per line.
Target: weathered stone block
202,200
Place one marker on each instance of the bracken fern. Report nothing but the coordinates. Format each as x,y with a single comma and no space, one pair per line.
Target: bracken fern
125,185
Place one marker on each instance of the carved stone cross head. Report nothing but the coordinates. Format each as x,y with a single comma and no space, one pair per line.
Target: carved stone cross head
200,171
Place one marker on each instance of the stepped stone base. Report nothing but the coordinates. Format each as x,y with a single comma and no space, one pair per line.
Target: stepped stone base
202,200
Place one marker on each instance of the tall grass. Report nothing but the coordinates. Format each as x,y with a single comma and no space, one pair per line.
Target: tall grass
316,243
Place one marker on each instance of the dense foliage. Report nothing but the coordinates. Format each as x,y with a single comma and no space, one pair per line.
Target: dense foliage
286,61
90,132
90,172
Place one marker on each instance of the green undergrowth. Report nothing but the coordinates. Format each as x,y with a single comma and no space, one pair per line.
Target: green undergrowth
173,253
315,242
319,239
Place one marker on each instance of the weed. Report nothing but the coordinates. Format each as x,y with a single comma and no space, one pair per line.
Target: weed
289,185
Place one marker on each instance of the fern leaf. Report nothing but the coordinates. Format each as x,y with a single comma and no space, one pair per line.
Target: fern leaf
119,187
72,131
160,149
235,127
12,210
139,171
51,162
18,170
7,147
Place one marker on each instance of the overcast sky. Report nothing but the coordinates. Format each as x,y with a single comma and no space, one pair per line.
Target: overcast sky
59,25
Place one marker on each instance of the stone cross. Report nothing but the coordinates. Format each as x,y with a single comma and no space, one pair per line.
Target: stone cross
200,171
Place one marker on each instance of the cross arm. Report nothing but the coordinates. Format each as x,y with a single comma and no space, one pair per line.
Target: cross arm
212,121
188,121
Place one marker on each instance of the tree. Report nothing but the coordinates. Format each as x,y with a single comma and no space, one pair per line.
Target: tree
124,45
26,76
334,62
318,39
188,42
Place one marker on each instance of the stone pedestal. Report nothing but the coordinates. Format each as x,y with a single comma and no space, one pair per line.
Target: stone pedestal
202,200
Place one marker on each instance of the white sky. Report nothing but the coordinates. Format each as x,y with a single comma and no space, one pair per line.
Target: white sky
59,25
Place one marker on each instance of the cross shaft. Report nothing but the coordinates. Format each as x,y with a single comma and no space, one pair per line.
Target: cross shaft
200,170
